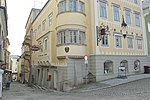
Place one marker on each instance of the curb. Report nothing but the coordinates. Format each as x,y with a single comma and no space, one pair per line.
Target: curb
83,91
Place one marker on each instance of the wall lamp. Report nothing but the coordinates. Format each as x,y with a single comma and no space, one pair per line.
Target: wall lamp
124,25
102,30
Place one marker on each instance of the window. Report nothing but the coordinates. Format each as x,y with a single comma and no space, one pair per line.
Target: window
136,1
43,25
50,18
41,46
82,34
118,41
137,20
108,67
103,12
137,65
34,34
72,5
71,36
116,13
58,38
39,29
62,6
139,43
81,6
128,17
130,42
105,40
45,44
63,37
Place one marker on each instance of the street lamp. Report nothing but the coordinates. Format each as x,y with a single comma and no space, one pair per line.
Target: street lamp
102,30
124,25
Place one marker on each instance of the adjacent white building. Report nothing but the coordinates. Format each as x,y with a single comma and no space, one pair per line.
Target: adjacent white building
14,65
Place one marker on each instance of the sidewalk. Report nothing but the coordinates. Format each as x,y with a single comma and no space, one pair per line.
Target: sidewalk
111,83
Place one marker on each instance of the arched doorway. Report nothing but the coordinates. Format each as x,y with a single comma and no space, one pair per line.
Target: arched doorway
108,67
137,65
125,64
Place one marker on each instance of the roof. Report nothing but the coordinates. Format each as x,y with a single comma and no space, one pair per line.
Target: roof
41,10
30,15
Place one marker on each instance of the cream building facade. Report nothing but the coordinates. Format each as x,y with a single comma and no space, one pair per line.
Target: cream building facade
27,45
124,44
4,41
67,30
3,33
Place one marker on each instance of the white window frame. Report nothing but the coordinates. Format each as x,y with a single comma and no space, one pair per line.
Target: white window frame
39,29
41,46
43,25
45,43
72,5
128,42
62,6
118,35
129,11
50,18
137,24
108,41
139,41
116,6
105,9
81,6
34,34
71,36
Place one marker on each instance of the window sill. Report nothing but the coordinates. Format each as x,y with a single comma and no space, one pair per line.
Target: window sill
71,44
105,46
118,47
104,18
71,12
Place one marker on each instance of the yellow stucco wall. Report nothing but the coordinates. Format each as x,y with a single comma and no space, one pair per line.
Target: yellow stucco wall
82,21
60,22
131,29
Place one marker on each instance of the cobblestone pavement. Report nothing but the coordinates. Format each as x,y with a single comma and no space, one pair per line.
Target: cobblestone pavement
137,90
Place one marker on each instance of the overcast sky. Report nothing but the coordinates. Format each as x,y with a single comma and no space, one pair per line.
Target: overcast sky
18,12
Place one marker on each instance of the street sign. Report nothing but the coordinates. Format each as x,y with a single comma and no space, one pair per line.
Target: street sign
35,48
86,59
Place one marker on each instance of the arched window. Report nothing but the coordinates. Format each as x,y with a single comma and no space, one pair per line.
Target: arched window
108,67
125,64
137,65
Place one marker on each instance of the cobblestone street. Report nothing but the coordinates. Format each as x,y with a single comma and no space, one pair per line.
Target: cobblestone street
137,90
